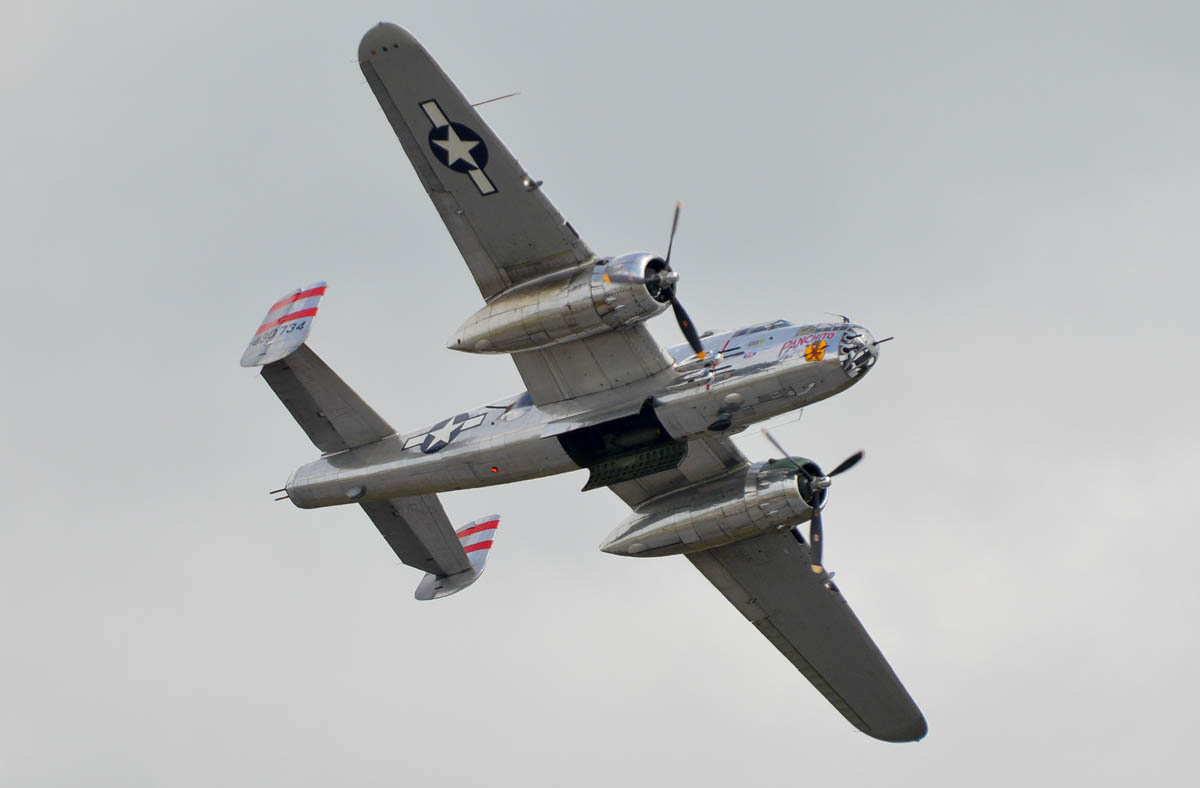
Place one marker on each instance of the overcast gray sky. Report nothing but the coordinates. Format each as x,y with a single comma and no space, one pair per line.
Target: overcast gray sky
1011,191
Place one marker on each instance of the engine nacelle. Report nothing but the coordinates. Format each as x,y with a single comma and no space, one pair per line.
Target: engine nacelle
568,305
767,497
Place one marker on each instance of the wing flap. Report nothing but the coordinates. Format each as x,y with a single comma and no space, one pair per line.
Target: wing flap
769,579
588,366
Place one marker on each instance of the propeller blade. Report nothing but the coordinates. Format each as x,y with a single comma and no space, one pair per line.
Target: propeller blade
667,282
847,463
782,450
671,242
685,325
814,537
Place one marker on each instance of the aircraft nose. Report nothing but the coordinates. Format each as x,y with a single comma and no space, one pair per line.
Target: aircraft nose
857,351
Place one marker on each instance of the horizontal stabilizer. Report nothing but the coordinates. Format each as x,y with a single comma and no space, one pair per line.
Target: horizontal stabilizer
285,327
418,531
476,539
331,413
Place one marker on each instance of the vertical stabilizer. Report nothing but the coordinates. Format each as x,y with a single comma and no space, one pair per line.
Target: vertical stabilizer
476,539
285,327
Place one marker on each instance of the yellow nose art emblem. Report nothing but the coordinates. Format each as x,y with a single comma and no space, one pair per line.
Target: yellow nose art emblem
815,351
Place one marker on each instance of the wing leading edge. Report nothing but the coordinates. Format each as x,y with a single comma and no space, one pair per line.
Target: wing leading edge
769,579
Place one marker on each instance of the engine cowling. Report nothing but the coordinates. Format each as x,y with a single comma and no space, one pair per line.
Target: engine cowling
569,305
767,497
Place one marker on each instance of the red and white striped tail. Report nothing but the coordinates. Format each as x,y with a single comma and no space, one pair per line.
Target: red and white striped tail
477,538
285,327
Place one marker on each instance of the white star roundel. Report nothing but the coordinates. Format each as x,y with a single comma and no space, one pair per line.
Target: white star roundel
458,147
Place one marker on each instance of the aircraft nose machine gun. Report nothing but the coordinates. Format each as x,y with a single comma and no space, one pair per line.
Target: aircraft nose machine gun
857,351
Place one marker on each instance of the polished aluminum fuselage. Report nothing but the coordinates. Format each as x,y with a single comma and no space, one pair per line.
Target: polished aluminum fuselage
763,373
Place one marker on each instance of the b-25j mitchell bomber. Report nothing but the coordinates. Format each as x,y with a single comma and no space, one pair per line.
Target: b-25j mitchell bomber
652,425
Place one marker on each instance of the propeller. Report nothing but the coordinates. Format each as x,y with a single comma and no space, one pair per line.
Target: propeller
681,315
810,488
685,325
664,280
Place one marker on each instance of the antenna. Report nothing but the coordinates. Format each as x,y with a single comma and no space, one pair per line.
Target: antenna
498,98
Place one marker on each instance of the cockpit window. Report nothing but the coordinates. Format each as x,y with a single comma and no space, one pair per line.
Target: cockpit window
813,328
764,327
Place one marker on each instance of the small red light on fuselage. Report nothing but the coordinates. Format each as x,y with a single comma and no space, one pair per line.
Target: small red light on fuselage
495,469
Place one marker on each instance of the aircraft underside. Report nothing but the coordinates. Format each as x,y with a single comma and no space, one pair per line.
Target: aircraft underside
652,425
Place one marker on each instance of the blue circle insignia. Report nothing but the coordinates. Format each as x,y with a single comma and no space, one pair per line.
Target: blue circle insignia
458,147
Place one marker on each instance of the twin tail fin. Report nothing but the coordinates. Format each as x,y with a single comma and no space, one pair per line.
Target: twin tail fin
476,539
285,326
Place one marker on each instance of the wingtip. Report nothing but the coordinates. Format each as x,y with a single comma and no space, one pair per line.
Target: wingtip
382,38
913,731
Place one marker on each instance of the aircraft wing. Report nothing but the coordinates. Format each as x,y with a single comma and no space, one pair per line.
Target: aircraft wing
770,580
505,227
590,365
502,222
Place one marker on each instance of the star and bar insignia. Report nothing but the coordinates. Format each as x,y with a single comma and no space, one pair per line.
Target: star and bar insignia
459,147
444,432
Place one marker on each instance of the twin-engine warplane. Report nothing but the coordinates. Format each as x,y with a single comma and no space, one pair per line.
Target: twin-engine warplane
652,425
